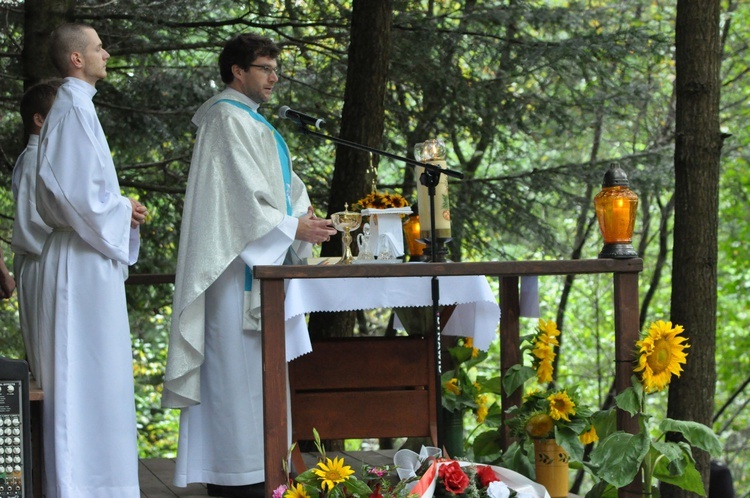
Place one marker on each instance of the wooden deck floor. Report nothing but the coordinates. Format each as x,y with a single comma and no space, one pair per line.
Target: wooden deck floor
156,473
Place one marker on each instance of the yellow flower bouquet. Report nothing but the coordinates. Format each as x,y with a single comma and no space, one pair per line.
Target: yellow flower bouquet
620,457
424,475
548,411
463,389
378,200
332,478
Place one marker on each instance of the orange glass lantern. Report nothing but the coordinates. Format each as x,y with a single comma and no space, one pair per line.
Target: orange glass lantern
616,207
411,232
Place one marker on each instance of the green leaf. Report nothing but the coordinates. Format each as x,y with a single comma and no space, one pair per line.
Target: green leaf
689,480
471,362
674,456
493,385
602,489
318,444
516,376
605,422
312,491
307,478
568,439
516,459
494,416
577,425
487,443
697,434
336,493
460,354
629,401
619,457
446,376
357,487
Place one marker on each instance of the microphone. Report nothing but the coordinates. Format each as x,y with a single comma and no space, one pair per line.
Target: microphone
301,119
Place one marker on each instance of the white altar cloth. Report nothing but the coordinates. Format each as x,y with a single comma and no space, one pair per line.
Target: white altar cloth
476,315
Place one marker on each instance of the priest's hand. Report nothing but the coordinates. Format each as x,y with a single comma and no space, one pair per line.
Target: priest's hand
313,229
139,213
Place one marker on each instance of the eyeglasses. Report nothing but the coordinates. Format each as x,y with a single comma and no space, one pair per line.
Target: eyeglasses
266,69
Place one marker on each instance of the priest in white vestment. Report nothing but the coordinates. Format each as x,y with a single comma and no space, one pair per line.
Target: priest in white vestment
29,231
244,206
86,367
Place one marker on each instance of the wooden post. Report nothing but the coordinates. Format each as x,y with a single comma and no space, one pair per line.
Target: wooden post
626,335
510,346
274,382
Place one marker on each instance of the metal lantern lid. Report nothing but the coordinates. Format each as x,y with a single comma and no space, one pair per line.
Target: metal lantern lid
615,177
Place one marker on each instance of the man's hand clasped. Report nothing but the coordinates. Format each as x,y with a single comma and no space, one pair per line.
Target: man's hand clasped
313,229
139,214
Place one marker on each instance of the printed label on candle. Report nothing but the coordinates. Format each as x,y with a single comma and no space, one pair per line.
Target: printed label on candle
442,205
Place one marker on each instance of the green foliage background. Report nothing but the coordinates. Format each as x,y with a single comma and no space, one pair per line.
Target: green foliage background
533,98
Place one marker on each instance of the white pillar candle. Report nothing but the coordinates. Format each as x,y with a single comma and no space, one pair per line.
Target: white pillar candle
433,152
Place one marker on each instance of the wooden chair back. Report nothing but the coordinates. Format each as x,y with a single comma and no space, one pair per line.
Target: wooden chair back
364,387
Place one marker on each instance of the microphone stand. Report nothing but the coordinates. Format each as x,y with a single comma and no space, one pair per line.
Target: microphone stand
430,178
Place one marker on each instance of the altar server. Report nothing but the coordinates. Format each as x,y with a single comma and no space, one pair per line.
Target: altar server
90,435
244,206
29,231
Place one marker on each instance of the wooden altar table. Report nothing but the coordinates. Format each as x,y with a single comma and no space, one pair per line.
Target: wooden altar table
272,279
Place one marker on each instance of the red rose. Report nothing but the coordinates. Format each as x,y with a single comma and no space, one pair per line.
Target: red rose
376,492
486,475
454,479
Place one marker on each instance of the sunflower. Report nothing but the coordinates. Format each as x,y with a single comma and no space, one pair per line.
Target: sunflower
543,349
333,472
469,343
545,356
561,406
377,200
482,409
452,386
660,354
548,332
590,436
540,425
296,490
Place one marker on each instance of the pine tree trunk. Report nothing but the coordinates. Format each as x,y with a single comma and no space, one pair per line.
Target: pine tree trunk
697,154
41,17
361,122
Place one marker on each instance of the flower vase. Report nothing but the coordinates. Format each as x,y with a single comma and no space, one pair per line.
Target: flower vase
453,433
551,462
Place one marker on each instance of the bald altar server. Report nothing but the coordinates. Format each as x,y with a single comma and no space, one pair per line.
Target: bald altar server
244,206
29,231
90,435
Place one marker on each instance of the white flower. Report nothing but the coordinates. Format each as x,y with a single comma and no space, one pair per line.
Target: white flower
498,489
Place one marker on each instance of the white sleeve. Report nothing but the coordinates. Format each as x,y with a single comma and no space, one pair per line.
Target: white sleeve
271,249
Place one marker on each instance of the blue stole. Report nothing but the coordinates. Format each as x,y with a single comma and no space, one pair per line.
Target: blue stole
286,169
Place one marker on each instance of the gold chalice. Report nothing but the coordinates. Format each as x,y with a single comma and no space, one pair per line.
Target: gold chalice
346,221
